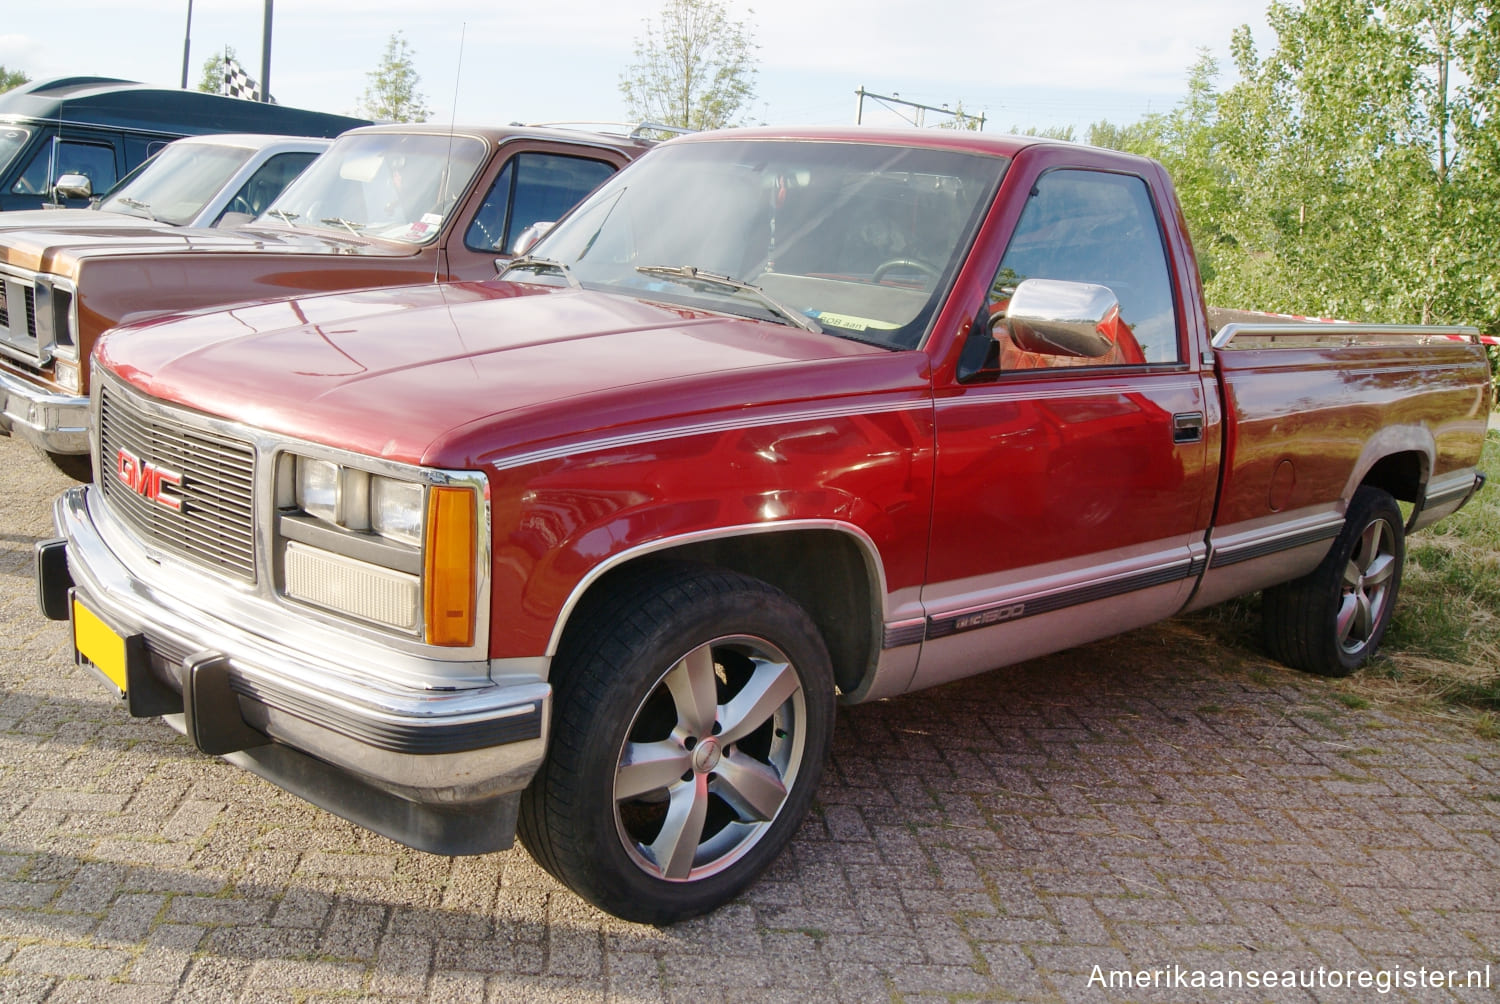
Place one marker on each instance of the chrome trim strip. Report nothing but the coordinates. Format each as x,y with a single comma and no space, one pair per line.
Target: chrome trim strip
904,633
701,428
1024,604
1349,329
460,733
1448,487
1272,538
1028,391
862,540
1273,543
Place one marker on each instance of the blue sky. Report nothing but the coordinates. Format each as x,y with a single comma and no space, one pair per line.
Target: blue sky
1070,62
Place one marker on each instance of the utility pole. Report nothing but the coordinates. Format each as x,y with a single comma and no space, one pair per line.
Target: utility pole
187,39
265,56
918,116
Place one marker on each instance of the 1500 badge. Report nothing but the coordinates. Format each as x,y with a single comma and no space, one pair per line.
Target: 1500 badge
987,617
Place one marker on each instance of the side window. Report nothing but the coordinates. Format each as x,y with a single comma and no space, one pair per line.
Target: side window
96,161
266,183
1090,226
532,187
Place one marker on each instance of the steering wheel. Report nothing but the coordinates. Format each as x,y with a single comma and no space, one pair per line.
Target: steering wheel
905,263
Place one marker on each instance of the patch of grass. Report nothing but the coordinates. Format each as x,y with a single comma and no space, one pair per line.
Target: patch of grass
1487,726
1352,701
1209,709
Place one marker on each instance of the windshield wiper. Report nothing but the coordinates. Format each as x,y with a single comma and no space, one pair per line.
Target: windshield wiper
528,261
692,275
138,204
339,221
284,216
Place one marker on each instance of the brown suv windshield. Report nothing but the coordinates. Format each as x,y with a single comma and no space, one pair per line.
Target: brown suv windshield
389,185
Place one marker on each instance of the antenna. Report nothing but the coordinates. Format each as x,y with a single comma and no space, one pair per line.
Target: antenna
452,125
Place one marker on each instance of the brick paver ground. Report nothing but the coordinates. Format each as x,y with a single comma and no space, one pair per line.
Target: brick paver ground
997,838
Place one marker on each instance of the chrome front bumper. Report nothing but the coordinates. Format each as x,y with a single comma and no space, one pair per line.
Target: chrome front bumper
58,423
437,769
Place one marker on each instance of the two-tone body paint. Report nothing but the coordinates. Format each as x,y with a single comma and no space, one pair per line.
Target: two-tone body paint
995,519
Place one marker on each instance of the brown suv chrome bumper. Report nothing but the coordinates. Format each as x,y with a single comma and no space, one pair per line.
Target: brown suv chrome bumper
58,423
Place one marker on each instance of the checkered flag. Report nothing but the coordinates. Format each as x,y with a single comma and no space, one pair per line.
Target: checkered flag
237,83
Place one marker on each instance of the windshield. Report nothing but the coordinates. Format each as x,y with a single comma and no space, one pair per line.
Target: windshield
177,183
861,240
396,186
11,141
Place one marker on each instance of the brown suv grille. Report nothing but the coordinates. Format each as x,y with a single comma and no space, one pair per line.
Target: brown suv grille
215,524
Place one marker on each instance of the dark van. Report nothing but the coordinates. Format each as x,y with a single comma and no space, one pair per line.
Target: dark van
102,127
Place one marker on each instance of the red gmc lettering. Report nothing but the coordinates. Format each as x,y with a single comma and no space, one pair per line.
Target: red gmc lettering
149,481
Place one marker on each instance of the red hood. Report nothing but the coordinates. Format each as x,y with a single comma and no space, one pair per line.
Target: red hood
449,374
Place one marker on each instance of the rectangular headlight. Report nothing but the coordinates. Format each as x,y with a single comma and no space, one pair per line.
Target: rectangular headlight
318,488
396,509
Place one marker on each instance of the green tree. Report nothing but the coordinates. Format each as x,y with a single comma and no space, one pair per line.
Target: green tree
392,95
695,67
1064,133
212,80
1360,157
1143,137
12,78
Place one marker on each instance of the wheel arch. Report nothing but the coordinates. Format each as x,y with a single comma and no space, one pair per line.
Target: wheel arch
831,569
1398,459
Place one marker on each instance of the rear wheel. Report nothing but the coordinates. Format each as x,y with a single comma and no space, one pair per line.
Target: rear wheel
693,713
1331,620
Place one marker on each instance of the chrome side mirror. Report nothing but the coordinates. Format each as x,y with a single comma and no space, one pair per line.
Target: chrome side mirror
74,186
528,237
1059,318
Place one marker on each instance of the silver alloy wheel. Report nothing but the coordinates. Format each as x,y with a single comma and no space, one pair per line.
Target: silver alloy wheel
710,758
1366,586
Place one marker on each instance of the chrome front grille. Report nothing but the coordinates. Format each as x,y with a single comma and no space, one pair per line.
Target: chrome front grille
214,478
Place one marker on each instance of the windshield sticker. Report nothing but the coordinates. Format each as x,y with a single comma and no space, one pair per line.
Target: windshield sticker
431,219
852,323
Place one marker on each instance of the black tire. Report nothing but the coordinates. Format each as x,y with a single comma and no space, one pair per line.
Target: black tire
1331,621
720,780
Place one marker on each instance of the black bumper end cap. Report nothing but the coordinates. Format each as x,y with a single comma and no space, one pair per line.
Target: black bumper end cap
54,584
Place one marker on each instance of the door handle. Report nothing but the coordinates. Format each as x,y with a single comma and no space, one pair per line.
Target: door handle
1187,427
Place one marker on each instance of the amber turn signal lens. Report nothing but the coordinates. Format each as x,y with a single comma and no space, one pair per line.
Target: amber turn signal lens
449,579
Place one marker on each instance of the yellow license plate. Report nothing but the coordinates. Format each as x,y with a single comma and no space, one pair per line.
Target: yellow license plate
99,644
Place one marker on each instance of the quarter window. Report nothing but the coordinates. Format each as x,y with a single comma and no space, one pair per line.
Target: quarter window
1094,227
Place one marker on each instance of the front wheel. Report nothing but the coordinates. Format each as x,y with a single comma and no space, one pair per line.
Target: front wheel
693,714
1331,620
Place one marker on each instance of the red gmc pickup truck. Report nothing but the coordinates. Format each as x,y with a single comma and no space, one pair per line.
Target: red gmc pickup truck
773,420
